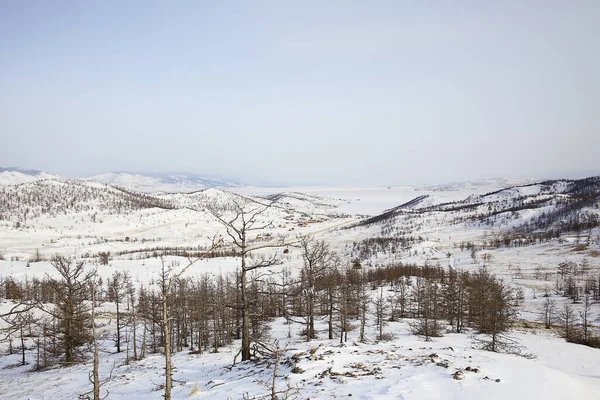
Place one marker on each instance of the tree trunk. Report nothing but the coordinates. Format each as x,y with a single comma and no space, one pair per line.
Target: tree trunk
274,377
118,328
167,340
245,312
135,354
311,318
22,347
95,373
144,332
330,322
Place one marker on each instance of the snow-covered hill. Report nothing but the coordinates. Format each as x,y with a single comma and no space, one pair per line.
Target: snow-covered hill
161,182
54,216
554,204
16,176
51,197
180,182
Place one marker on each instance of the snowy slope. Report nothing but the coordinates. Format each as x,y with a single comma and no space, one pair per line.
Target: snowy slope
406,367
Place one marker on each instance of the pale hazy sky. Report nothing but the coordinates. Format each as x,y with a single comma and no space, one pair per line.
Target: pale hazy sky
303,92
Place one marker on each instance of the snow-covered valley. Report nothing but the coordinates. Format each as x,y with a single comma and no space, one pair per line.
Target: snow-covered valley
541,239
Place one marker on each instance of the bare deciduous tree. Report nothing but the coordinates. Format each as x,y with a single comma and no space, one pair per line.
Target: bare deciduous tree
242,218
94,376
546,312
567,320
318,260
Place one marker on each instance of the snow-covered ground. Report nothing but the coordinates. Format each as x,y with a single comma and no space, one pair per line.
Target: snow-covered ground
405,367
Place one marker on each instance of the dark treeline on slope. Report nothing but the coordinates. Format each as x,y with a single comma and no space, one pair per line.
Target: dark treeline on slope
565,218
388,214
365,249
565,208
507,240
177,251
560,207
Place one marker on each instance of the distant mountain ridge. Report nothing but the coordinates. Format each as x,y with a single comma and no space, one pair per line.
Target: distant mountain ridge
142,182
15,175
21,170
482,183
162,182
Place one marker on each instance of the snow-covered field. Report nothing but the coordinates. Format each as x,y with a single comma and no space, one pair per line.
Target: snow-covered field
405,367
